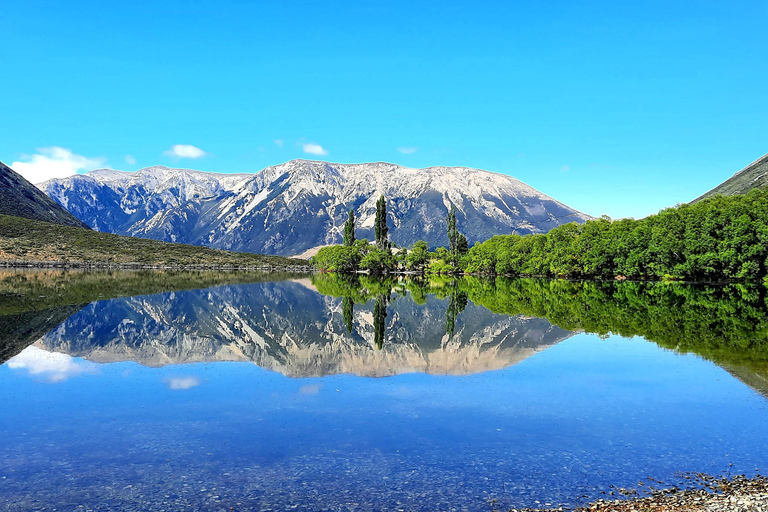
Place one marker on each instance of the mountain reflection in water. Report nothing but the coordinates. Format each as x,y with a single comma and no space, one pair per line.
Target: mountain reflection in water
290,328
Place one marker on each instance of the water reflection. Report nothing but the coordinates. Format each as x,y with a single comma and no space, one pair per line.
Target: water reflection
578,415
290,328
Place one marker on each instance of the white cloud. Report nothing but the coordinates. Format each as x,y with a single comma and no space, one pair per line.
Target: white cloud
53,367
407,151
130,160
314,149
279,142
310,389
182,382
54,162
185,151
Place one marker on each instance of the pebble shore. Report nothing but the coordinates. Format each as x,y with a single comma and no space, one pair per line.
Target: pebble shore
736,494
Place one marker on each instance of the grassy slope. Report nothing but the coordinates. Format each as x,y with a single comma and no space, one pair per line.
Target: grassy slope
30,240
755,175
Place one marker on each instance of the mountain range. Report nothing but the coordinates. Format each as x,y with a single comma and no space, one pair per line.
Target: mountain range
20,198
300,205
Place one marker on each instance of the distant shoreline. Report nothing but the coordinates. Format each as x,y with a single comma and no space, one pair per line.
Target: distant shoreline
99,265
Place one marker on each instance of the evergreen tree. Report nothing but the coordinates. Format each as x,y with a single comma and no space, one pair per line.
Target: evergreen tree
462,246
380,227
453,236
379,319
349,229
348,311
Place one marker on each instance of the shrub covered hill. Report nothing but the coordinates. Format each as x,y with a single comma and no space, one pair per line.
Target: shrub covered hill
21,198
755,175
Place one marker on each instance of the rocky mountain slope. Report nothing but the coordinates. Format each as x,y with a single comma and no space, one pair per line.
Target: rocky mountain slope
290,208
755,175
20,198
289,328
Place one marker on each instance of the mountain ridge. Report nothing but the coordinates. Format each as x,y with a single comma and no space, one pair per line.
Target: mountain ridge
20,198
289,208
755,175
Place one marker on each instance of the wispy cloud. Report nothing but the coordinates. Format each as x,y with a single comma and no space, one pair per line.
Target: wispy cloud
51,366
185,151
407,151
182,382
314,149
565,168
54,162
130,160
279,142
310,389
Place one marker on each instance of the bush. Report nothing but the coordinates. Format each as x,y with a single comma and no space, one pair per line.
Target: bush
337,258
378,261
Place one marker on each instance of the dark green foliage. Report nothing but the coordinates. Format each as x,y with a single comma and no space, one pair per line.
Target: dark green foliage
453,237
29,240
338,258
380,226
379,319
349,229
462,245
348,311
716,239
378,261
418,257
457,302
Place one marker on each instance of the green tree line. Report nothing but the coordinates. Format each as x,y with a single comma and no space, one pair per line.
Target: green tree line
722,238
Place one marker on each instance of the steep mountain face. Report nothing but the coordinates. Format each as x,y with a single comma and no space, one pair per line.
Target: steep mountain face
20,198
293,207
288,328
755,175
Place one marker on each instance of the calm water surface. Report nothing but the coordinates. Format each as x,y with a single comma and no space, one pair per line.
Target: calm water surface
316,394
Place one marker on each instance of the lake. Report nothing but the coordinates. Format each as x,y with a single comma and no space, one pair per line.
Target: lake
216,391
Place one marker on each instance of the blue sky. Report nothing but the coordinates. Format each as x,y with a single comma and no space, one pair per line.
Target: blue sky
611,108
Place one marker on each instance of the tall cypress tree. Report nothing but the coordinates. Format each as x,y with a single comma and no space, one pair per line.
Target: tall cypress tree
453,235
379,319
380,226
348,311
349,229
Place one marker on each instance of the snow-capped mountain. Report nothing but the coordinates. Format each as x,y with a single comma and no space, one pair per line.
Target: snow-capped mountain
289,208
289,328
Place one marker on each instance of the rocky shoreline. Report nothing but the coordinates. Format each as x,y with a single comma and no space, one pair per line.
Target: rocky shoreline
708,494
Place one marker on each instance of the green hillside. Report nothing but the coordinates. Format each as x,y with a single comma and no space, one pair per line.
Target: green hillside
30,240
755,175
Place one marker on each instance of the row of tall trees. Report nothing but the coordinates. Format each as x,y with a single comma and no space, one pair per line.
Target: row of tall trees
715,239
378,258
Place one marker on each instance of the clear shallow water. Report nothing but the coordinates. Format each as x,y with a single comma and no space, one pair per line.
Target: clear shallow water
509,408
